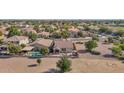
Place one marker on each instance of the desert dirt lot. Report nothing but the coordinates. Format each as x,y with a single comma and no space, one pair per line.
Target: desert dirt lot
85,63
22,65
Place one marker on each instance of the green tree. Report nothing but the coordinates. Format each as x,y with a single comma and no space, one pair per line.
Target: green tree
39,61
65,34
44,51
80,34
121,46
86,27
56,35
1,33
105,30
64,64
90,45
37,28
23,45
116,51
14,49
14,31
32,36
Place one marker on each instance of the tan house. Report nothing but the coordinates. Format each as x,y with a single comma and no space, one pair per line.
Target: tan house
18,40
28,30
44,34
42,42
63,46
73,32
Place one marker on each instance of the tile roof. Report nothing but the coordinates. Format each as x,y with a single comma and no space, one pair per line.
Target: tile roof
17,38
43,42
63,44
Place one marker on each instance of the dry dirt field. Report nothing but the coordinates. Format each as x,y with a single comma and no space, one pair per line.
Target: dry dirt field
23,65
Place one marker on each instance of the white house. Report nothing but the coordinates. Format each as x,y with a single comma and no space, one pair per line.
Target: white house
18,40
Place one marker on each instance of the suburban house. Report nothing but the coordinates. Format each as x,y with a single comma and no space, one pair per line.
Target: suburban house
39,43
27,50
73,32
18,40
63,46
44,34
28,30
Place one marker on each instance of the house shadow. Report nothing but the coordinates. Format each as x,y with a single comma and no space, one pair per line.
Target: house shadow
32,65
82,51
5,57
52,71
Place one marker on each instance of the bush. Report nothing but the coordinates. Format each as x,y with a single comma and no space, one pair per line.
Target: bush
120,57
121,46
23,45
14,49
39,61
13,30
44,51
117,51
110,39
116,43
95,52
95,38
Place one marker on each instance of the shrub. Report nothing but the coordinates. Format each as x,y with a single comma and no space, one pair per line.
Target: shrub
23,45
110,39
44,51
95,38
39,61
14,49
117,51
13,30
116,43
121,46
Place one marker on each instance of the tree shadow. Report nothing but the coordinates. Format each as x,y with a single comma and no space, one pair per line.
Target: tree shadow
52,71
108,56
32,65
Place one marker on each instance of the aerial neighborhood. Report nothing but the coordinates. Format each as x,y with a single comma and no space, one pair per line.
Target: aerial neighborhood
65,41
